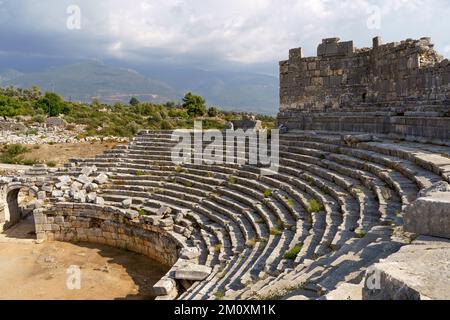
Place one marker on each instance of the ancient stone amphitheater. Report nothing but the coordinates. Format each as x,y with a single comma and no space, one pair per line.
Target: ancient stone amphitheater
359,208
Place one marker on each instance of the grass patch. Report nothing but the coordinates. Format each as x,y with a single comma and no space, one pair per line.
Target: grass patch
219,295
142,212
179,169
218,247
140,173
293,253
51,164
289,202
275,232
262,244
251,243
268,193
189,184
360,234
232,180
314,206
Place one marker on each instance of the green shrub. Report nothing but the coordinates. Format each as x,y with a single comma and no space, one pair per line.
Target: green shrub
140,173
232,179
31,132
13,154
275,232
289,202
51,164
293,253
166,125
267,193
314,206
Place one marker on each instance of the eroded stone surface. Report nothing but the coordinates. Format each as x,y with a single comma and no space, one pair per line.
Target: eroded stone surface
419,271
429,216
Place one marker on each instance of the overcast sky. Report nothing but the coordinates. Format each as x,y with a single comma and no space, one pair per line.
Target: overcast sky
211,33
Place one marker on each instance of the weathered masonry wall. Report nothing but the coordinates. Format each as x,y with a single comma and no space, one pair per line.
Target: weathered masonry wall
345,88
91,223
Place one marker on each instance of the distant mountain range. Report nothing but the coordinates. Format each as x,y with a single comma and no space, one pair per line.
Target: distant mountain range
84,81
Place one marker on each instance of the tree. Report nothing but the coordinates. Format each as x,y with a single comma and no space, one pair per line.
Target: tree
52,104
213,112
134,101
195,105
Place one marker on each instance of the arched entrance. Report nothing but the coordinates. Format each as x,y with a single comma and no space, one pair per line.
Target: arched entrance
18,206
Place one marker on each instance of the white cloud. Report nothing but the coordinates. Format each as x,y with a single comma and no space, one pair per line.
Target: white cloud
244,31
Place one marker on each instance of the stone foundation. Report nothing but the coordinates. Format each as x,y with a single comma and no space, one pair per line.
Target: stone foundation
421,127
105,225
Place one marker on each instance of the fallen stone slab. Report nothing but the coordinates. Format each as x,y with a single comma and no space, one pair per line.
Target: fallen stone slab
163,211
101,179
164,287
64,179
83,179
91,197
420,271
126,204
189,253
191,271
429,216
88,170
99,201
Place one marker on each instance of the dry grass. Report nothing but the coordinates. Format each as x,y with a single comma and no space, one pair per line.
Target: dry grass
59,154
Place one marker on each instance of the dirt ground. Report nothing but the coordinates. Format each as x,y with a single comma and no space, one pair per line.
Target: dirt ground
40,271
61,153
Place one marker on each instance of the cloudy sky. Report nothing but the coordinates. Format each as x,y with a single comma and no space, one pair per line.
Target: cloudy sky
208,33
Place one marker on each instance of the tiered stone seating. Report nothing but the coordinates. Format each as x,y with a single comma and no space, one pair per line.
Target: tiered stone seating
244,223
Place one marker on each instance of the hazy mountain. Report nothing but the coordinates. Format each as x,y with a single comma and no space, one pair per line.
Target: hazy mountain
88,80
243,91
9,74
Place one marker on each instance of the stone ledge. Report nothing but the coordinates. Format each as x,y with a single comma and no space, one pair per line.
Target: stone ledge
419,271
429,216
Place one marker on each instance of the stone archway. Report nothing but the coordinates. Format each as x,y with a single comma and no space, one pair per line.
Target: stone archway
11,210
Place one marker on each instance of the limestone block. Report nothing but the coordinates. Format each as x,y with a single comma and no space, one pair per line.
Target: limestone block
87,171
163,211
101,179
429,216
41,195
99,201
189,253
191,271
83,179
91,197
64,179
57,193
91,187
417,272
441,186
164,287
47,188
126,204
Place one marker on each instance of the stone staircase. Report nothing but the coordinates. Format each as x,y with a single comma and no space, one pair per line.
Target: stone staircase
331,211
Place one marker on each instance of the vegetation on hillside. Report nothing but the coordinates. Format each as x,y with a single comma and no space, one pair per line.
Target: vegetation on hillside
119,119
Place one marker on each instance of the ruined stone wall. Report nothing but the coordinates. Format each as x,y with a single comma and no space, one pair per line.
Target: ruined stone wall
90,223
342,77
400,88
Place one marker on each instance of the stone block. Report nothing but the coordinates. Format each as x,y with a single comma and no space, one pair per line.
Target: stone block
417,272
164,287
191,271
189,253
101,179
429,216
126,204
